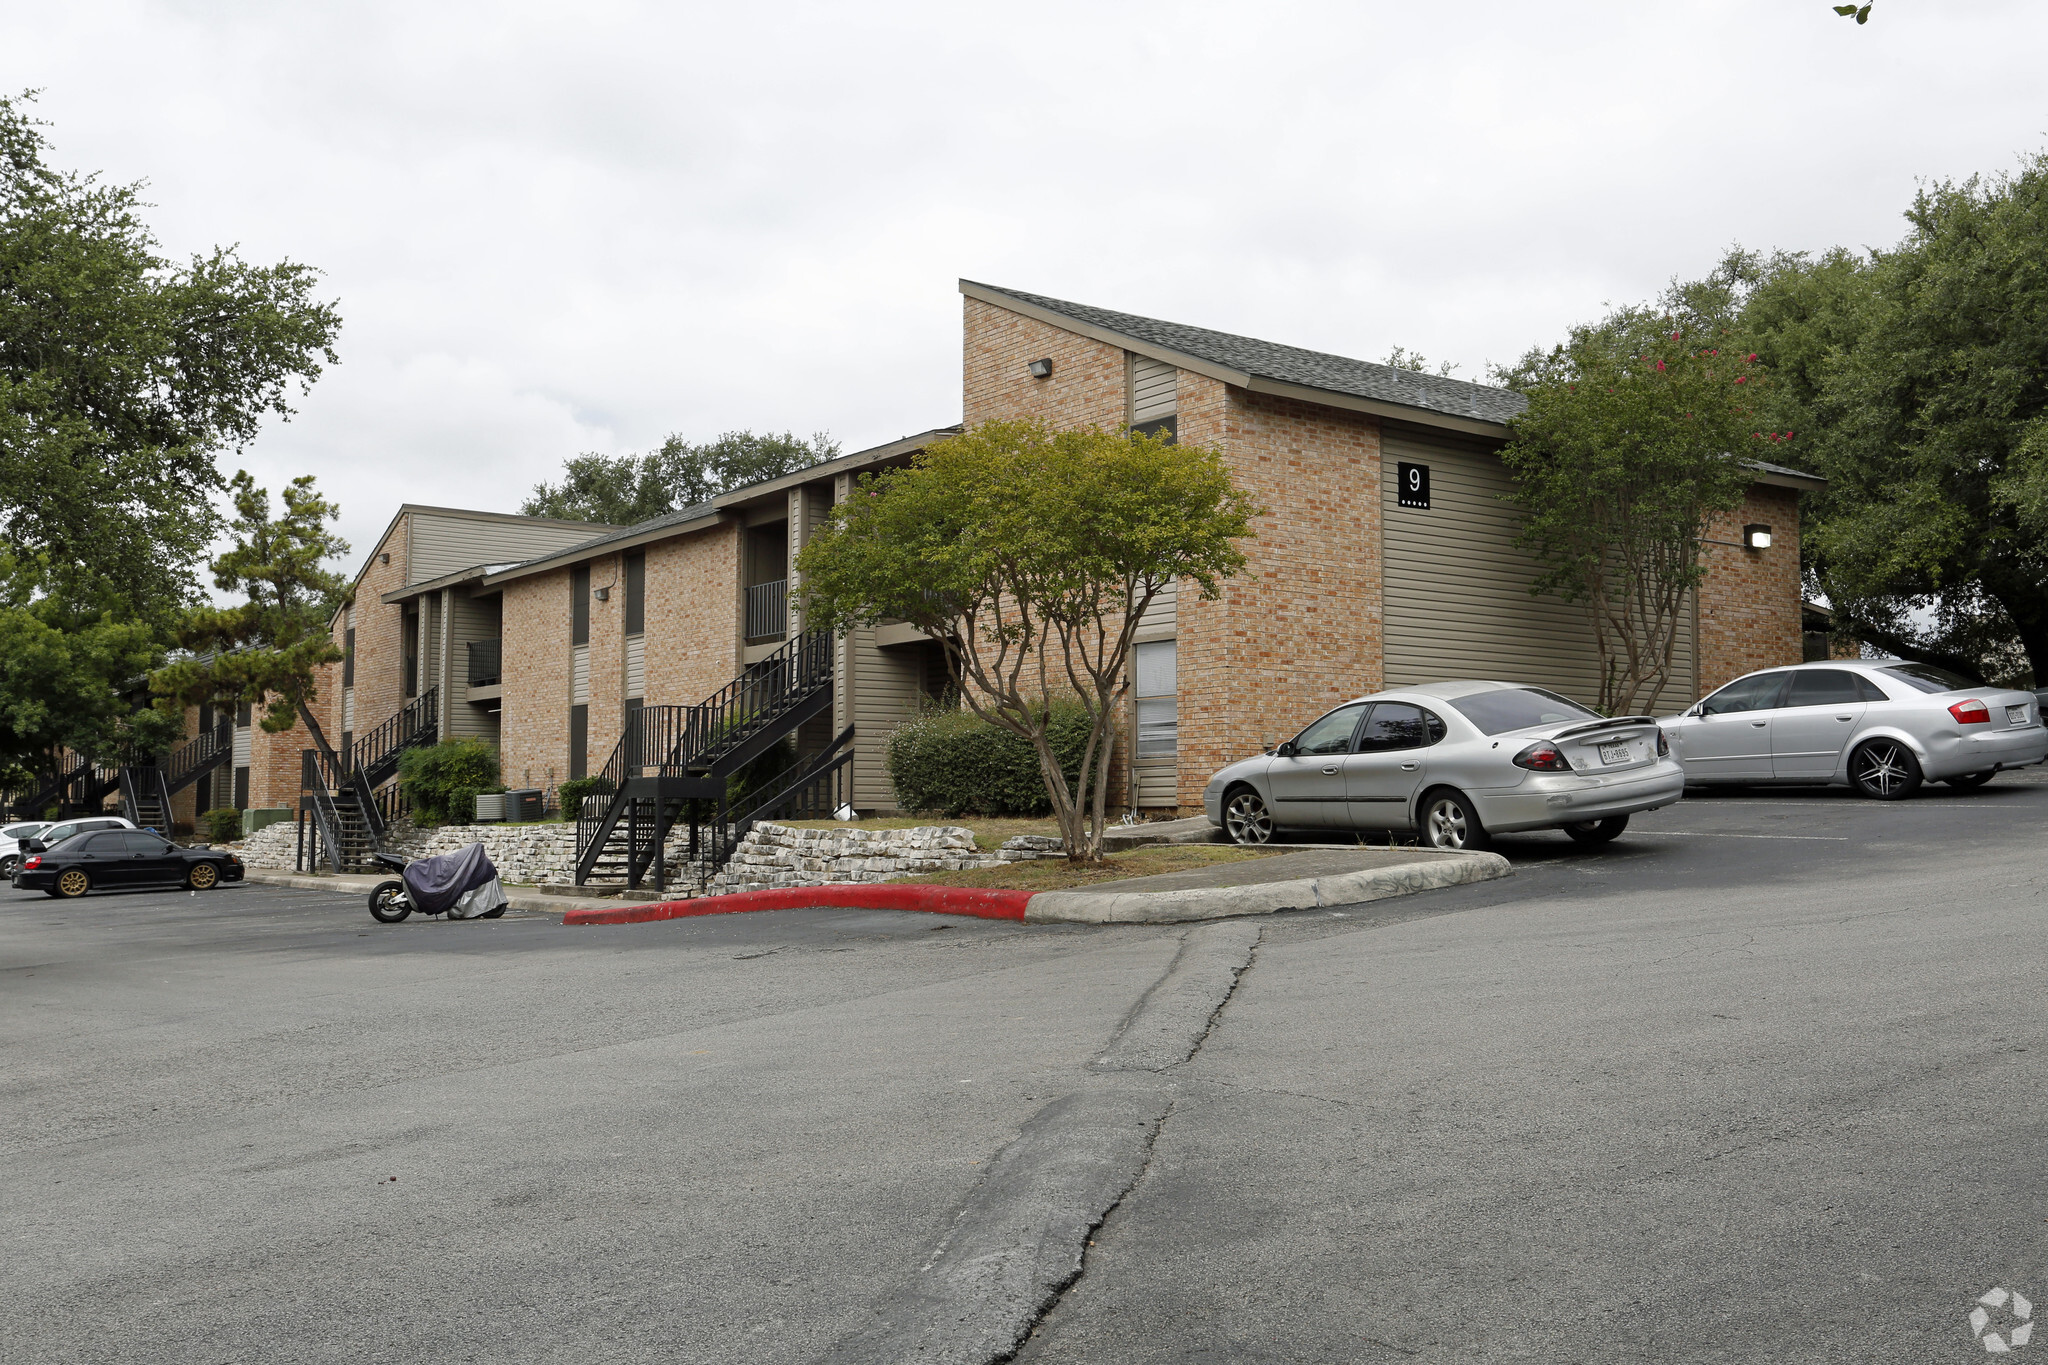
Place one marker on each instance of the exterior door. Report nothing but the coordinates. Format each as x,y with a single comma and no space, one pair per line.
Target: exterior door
1308,787
104,857
1822,709
1381,777
151,860
1730,739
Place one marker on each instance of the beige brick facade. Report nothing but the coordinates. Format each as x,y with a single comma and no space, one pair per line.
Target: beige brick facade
533,732
1749,605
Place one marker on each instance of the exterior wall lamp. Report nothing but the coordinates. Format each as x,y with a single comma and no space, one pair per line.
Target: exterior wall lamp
384,558
1040,369
1756,536
605,594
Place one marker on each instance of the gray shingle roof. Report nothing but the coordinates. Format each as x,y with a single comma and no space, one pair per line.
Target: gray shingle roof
1292,364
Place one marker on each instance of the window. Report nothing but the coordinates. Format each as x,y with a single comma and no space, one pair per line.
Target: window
1398,725
241,789
1331,734
1824,687
1158,703
1928,678
579,607
102,843
136,841
579,741
1519,708
242,715
636,594
1758,692
348,657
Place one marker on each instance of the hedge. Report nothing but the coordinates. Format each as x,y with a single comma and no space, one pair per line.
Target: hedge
443,780
956,763
223,824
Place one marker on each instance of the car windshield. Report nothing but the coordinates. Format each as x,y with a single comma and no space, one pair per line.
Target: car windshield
1519,708
1927,678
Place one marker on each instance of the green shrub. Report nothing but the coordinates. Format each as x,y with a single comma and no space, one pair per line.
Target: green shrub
572,792
223,824
442,780
956,763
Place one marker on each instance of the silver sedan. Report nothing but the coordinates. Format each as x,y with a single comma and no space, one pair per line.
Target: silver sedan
1880,726
1457,761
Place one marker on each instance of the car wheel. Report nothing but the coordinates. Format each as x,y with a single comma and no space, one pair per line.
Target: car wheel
203,877
1969,781
1245,817
71,883
1450,823
8,864
1598,831
1884,770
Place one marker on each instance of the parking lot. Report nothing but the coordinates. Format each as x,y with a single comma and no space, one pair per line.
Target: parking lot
1756,1082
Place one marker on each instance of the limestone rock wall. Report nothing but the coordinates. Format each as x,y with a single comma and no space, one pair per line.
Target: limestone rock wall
777,855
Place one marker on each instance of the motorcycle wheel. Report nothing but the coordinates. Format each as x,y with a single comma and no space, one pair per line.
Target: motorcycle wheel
492,914
388,903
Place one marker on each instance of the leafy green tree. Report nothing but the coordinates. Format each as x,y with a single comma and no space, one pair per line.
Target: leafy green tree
268,650
1623,459
1916,380
623,490
1031,555
67,669
123,374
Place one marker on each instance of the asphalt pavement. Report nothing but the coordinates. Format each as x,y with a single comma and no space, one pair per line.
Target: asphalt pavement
1758,1082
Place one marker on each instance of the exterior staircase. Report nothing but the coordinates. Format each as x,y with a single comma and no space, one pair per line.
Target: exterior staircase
337,795
81,788
673,763
145,797
147,788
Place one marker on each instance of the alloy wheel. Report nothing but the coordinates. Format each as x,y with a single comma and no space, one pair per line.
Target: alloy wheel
73,883
1447,824
203,877
1884,769
1247,820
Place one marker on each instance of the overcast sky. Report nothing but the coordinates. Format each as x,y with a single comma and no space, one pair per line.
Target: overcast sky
554,228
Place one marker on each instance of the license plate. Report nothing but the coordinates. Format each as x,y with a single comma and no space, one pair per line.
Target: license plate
1616,753
2016,715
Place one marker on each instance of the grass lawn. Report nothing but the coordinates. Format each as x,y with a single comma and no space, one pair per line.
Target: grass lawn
989,834
1057,874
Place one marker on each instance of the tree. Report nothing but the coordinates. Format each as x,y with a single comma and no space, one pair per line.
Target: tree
267,650
123,374
624,490
67,669
1624,457
1031,554
1918,380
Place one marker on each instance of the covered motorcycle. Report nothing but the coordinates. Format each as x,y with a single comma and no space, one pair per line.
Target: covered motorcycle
463,885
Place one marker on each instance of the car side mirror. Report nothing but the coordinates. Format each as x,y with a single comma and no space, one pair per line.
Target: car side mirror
1702,711
1286,749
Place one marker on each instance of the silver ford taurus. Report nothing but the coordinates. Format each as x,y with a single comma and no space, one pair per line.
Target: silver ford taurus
1457,761
1880,726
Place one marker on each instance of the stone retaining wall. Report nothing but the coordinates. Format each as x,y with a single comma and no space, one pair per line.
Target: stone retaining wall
777,855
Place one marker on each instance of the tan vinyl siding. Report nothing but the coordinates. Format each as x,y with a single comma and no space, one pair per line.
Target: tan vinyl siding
243,745
1457,601
888,688
348,708
1152,390
476,618
442,543
1163,616
579,676
636,666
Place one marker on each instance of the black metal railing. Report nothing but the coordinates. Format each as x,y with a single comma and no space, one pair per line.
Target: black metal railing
319,776
486,662
183,765
391,801
375,752
811,788
768,610
84,786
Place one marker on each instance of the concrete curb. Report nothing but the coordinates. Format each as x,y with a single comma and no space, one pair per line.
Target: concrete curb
1080,907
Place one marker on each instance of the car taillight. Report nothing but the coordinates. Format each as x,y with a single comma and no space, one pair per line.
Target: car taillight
33,860
1663,743
1971,712
1543,757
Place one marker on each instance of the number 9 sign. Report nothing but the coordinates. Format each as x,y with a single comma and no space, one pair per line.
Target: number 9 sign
1412,487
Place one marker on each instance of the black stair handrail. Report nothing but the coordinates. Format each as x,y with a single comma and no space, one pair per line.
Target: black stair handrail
204,752
316,768
816,789
82,787
375,752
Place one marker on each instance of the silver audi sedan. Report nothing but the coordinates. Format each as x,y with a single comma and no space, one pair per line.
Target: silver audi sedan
1882,727
1457,761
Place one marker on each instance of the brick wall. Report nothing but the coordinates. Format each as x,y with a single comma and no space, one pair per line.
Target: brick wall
533,734
693,628
1087,383
380,642
1749,604
1298,631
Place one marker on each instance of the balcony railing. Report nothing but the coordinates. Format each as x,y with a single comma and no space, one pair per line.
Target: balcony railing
485,660
768,610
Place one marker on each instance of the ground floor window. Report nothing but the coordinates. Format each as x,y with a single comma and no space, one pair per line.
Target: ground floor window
1158,706
241,789
579,741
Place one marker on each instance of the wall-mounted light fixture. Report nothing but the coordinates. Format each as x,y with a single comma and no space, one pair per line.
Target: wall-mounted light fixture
1040,369
605,594
1756,536
384,558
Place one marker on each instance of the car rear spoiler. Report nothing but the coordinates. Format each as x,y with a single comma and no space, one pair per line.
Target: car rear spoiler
1602,725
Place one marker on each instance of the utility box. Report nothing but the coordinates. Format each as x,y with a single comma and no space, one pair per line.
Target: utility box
523,805
490,806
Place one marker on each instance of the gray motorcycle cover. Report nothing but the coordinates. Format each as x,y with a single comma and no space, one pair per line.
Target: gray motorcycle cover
436,883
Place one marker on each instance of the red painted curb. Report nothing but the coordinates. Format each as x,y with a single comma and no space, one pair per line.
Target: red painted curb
937,900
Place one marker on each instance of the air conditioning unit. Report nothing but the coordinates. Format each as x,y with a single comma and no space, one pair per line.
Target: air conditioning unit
490,806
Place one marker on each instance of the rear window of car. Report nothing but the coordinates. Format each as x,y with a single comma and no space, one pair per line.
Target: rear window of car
1519,708
1928,678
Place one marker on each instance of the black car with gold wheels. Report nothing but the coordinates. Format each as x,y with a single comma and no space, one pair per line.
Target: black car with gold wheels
116,858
